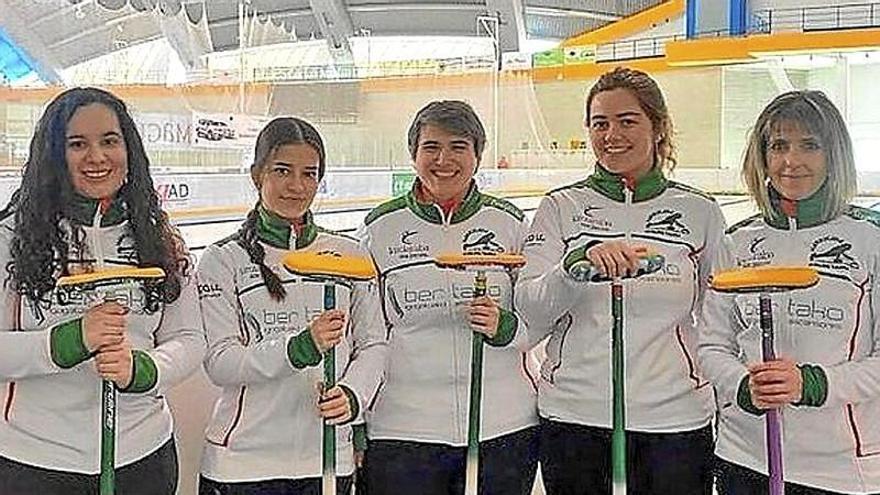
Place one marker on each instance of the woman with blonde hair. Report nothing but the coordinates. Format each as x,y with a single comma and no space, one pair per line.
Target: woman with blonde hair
800,171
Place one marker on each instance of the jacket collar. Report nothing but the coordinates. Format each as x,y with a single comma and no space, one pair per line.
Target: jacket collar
277,232
810,211
430,212
611,185
81,210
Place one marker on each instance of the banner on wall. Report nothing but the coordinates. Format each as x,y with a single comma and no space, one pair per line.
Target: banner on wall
575,55
162,129
488,180
219,130
181,192
516,61
549,58
7,187
401,182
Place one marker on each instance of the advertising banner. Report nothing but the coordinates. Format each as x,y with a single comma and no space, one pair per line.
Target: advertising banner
164,130
216,130
401,182
575,55
516,61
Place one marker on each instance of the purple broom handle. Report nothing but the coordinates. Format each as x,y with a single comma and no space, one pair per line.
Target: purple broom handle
772,423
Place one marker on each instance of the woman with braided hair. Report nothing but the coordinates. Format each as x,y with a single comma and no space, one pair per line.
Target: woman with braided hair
87,202
267,330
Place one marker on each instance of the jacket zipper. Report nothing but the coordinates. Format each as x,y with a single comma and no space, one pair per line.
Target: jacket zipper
456,352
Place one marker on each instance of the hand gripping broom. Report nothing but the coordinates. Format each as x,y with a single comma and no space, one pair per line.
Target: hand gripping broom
584,271
116,284
765,280
479,264
331,267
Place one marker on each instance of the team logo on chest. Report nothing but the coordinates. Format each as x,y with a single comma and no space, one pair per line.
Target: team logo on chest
588,218
666,222
125,248
407,236
758,255
480,241
832,253
409,246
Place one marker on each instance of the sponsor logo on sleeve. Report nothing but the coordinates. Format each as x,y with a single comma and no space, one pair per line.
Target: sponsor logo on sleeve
535,239
209,290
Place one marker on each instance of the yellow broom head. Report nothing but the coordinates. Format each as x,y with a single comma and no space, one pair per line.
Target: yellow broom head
465,260
330,264
112,274
765,279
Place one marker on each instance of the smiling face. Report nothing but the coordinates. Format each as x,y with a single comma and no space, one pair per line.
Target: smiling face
445,163
796,163
288,180
621,133
95,151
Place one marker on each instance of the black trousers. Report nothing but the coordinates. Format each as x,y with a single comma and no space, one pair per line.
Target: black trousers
507,466
155,474
733,479
576,460
305,486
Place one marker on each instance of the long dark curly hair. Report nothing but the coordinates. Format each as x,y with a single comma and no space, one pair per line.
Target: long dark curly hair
40,248
278,132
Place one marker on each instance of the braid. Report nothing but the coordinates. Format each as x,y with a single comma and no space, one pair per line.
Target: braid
247,239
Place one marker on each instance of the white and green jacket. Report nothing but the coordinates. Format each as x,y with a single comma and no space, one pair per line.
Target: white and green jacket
425,395
265,424
665,390
831,439
51,397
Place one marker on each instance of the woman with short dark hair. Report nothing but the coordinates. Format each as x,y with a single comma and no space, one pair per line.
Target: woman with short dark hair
418,427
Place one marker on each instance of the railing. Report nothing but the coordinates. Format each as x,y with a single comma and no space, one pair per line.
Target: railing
806,19
632,49
825,18
457,65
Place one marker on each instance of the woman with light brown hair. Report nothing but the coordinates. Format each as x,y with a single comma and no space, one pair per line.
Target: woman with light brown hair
626,204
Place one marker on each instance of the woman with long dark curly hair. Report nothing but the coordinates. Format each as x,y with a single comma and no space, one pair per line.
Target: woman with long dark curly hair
87,202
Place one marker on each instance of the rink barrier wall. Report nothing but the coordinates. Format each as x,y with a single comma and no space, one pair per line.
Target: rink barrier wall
190,195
